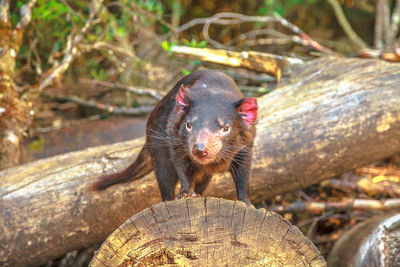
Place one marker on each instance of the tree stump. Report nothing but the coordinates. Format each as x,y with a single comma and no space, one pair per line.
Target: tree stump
207,232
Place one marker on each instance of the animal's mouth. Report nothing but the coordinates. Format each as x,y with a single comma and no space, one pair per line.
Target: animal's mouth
203,160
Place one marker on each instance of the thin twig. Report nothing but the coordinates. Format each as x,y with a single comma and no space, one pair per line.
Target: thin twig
346,25
318,218
303,35
236,18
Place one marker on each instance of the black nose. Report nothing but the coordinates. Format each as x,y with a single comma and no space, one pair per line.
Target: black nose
200,150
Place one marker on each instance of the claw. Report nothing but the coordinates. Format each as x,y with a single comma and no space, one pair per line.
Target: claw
187,194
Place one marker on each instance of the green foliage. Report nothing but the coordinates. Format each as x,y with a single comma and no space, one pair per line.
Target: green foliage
154,6
167,46
52,22
185,71
195,43
49,10
100,74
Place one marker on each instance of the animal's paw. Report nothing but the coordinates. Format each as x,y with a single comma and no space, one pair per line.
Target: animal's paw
187,194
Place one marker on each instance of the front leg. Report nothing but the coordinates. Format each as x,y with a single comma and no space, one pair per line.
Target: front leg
240,171
186,177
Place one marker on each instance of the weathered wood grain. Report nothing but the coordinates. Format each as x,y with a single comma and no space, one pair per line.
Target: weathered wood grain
332,116
206,232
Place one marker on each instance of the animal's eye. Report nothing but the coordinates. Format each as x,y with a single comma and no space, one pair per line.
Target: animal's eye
226,129
188,126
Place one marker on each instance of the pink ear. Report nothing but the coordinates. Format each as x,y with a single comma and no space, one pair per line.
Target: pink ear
181,102
247,110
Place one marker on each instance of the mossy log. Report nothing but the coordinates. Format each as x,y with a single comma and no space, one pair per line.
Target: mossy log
206,232
332,116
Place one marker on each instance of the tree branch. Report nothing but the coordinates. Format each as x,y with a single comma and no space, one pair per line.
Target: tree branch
26,15
303,35
346,25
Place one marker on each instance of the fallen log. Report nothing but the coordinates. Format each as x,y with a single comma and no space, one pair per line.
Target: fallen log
375,242
206,232
332,116
252,60
346,204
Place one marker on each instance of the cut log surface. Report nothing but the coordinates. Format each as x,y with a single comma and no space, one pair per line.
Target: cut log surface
332,116
206,232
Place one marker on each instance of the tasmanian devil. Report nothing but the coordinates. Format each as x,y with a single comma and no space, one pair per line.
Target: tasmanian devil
203,126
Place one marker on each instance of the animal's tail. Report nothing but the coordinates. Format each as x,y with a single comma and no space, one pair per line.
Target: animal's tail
140,167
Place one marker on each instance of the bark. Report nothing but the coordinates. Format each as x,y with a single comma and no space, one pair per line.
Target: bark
207,232
13,121
375,242
333,116
13,110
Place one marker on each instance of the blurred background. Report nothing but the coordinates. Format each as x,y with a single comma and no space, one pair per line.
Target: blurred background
129,45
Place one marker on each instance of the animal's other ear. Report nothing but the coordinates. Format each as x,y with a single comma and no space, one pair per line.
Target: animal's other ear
181,99
247,110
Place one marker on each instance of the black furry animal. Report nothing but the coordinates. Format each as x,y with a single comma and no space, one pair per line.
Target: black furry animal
203,126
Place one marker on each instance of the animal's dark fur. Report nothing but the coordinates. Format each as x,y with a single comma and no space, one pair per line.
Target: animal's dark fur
201,127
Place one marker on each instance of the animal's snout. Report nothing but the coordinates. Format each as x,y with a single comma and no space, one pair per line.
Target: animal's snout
199,150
